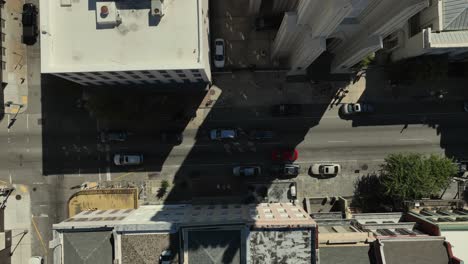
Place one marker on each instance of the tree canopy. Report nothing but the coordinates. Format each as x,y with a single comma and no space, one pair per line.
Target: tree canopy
415,176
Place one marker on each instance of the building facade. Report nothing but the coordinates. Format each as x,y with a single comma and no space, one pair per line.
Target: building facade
126,42
441,28
350,30
3,71
228,233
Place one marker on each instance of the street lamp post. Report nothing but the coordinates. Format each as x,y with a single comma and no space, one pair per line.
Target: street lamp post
13,120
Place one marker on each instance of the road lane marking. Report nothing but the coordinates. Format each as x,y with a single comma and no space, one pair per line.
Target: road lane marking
8,125
108,174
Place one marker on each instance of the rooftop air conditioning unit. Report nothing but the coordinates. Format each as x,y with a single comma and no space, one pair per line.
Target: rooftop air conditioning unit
157,8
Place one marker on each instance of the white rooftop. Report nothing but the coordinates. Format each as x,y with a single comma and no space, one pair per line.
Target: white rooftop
72,40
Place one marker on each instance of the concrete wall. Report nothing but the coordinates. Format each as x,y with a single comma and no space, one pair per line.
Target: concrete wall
3,72
137,77
205,53
411,47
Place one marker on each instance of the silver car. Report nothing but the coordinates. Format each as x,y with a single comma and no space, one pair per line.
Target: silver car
127,159
325,169
223,134
358,108
247,171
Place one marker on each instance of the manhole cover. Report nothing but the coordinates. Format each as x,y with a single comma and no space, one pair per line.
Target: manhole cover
212,92
34,189
364,167
18,197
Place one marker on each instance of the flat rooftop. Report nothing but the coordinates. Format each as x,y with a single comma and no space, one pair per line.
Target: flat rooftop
214,246
73,41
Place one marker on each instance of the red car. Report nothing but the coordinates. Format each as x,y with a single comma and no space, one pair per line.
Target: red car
288,155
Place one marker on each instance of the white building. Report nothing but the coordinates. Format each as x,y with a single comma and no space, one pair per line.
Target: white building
126,41
442,28
350,29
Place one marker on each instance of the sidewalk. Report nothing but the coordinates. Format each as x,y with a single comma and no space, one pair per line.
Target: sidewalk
250,89
18,220
16,90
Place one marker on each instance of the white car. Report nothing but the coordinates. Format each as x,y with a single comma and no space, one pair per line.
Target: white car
219,53
36,260
325,169
247,171
126,159
165,257
358,108
223,134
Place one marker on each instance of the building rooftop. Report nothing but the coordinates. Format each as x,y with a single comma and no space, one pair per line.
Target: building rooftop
76,36
296,245
356,254
146,248
416,251
87,247
455,15
214,246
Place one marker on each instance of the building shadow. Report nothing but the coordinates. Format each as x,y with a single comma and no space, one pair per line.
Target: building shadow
401,105
71,132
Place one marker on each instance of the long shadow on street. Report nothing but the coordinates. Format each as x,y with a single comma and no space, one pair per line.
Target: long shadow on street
74,117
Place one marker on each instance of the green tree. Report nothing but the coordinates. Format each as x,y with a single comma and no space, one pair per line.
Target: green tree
414,176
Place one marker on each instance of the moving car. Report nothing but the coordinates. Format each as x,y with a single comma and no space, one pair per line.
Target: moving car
223,134
247,171
262,134
172,137
286,170
219,53
358,108
29,21
286,110
128,159
113,136
325,169
286,155
165,257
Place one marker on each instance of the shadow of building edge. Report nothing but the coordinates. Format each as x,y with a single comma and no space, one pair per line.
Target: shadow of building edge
60,113
442,127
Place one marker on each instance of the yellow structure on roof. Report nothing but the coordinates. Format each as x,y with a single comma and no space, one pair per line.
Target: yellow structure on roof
102,199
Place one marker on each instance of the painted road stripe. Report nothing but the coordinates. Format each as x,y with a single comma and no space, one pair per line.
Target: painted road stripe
108,174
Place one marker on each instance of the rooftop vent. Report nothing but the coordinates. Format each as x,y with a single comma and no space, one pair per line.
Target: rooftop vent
157,8
107,14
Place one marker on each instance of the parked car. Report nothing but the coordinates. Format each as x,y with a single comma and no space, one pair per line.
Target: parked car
29,21
247,171
325,169
292,191
165,257
128,159
358,108
285,155
262,134
36,260
286,110
465,106
223,134
113,136
286,170
172,137
268,23
219,56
